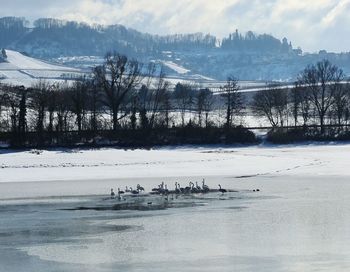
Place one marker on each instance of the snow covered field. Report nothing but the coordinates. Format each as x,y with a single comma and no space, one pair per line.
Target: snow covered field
177,68
23,70
303,160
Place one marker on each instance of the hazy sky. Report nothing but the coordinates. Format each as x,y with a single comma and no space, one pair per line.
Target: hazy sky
311,24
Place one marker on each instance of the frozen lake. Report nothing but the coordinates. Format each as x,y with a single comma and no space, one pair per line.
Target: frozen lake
295,223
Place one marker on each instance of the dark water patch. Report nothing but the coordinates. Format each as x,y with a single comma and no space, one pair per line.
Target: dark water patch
19,261
237,208
246,176
142,203
5,234
149,206
219,152
53,233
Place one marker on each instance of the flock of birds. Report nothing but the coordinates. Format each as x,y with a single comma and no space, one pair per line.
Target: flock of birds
162,189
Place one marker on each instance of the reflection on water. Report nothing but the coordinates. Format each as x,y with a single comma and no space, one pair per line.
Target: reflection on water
291,225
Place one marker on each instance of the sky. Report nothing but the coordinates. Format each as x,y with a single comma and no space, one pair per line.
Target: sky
310,24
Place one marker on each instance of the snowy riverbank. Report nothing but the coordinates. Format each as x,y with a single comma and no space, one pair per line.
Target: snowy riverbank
235,162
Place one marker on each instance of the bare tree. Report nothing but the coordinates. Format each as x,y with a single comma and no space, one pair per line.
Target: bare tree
305,104
15,100
232,99
140,102
322,81
295,101
94,104
39,103
13,103
151,98
22,115
204,104
62,109
157,96
5,97
79,100
2,104
134,108
272,103
341,102
166,107
117,77
183,95
52,105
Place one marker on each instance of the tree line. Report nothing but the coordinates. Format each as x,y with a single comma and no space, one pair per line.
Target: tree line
257,43
124,100
319,99
16,31
120,96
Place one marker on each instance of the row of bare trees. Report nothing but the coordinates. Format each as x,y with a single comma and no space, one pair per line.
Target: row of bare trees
321,96
123,94
120,94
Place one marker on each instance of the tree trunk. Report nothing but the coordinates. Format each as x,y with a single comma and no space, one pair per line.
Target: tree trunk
322,123
228,117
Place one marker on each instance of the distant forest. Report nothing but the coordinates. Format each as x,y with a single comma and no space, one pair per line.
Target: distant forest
98,39
249,56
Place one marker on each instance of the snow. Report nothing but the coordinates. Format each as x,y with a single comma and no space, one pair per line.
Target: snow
26,71
235,162
201,77
19,61
15,77
177,68
23,70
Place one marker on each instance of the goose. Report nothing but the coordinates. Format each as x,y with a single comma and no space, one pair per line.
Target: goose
120,193
161,189
198,187
166,191
205,188
182,190
194,190
222,190
187,189
112,193
140,188
177,190
156,190
134,192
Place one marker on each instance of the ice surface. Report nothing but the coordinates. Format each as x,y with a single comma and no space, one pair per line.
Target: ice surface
290,225
52,220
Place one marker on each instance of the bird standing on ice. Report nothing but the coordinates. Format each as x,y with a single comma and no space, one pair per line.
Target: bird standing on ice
112,193
222,190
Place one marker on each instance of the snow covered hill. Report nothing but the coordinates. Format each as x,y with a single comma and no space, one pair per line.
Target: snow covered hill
23,70
20,70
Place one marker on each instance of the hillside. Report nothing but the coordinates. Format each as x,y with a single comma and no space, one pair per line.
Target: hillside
248,56
19,69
